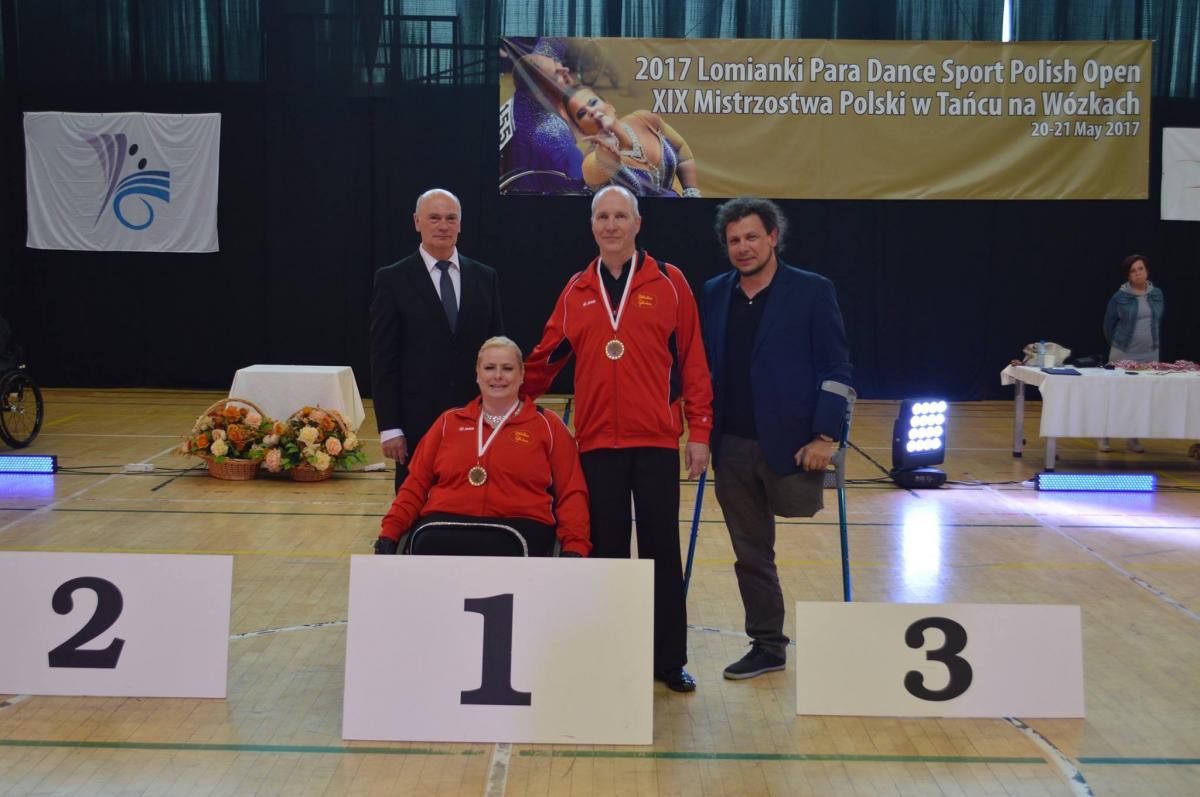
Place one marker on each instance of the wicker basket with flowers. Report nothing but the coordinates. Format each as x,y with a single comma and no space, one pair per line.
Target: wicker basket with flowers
229,438
314,441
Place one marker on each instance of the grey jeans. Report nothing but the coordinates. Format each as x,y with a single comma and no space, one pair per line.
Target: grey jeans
751,495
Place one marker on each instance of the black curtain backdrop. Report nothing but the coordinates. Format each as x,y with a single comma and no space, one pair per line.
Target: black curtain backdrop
320,168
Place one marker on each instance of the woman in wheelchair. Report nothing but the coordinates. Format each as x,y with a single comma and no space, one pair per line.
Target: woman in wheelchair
497,477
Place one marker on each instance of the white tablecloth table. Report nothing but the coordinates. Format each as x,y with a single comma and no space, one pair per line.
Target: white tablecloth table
1104,403
280,390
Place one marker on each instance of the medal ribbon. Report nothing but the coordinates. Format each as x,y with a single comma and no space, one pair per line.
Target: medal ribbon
480,446
615,321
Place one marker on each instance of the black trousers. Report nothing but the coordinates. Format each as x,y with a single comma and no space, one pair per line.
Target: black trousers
402,470
651,476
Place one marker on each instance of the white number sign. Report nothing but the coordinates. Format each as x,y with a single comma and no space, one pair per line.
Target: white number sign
939,660
133,625
497,649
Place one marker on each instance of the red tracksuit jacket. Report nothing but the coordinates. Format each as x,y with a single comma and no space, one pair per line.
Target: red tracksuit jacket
532,472
635,400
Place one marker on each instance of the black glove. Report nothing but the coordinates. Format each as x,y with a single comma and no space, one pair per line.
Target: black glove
386,546
569,555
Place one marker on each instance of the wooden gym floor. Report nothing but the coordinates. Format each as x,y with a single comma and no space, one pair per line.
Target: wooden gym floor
1131,561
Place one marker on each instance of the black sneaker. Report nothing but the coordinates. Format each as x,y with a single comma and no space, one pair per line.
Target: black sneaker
756,662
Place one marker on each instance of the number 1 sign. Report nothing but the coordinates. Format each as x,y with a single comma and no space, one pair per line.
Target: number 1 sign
133,625
488,649
939,660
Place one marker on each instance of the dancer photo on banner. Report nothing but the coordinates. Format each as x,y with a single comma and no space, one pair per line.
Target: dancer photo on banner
826,119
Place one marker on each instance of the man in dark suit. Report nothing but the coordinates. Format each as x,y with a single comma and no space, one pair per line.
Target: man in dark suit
781,378
430,314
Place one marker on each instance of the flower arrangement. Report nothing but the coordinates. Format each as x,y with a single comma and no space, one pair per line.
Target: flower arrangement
229,434
315,440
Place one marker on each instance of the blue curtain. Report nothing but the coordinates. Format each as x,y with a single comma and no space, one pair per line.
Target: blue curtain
1174,25
360,42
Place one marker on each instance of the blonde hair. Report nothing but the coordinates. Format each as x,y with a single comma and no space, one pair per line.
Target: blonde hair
501,342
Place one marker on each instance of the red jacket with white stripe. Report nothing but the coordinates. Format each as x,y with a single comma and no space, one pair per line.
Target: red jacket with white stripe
634,400
532,468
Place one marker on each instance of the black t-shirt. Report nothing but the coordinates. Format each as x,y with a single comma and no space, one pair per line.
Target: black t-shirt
745,317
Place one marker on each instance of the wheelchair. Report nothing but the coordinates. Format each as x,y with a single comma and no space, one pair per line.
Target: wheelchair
21,407
475,538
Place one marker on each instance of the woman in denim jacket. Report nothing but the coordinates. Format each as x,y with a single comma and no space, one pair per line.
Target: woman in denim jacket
1132,323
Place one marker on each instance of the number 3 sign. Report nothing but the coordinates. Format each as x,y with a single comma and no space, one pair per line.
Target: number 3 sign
134,625
940,660
486,649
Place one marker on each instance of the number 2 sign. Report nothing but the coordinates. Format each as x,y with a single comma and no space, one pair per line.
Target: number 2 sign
134,625
939,660
487,649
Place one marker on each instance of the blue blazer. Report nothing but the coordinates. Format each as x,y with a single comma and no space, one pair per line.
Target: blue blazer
801,344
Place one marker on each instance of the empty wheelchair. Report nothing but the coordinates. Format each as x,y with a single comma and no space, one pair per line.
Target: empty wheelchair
20,398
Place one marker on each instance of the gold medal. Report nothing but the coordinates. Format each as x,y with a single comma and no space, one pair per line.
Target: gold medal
477,476
615,349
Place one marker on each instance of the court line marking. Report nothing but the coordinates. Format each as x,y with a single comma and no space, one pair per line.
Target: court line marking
843,757
1070,771
14,700
497,779
864,524
185,551
1132,577
285,629
538,753
1139,761
236,748
56,421
51,506
135,436
227,501
215,512
706,561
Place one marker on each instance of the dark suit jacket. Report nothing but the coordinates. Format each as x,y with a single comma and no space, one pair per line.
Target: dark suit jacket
800,344
419,368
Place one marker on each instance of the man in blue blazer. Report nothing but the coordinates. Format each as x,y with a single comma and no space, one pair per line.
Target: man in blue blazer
781,379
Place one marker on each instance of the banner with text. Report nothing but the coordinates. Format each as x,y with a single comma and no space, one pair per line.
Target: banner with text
810,119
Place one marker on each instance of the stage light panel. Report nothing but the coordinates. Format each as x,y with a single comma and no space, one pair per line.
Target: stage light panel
918,436
39,464
1097,482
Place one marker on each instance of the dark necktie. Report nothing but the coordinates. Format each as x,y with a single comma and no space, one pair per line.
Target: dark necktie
446,287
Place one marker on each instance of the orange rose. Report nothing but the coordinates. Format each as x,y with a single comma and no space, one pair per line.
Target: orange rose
238,434
202,441
279,428
231,413
327,424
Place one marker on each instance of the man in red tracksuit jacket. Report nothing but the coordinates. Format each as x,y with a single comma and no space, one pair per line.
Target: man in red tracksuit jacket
632,324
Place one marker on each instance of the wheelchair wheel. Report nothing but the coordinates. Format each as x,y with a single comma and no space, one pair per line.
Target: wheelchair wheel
20,409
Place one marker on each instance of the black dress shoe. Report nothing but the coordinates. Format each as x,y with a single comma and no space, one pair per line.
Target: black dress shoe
677,680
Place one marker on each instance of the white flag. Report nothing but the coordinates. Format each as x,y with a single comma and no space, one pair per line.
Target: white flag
1181,174
135,182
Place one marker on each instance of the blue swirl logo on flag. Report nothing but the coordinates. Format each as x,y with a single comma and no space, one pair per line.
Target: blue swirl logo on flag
133,182
110,152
